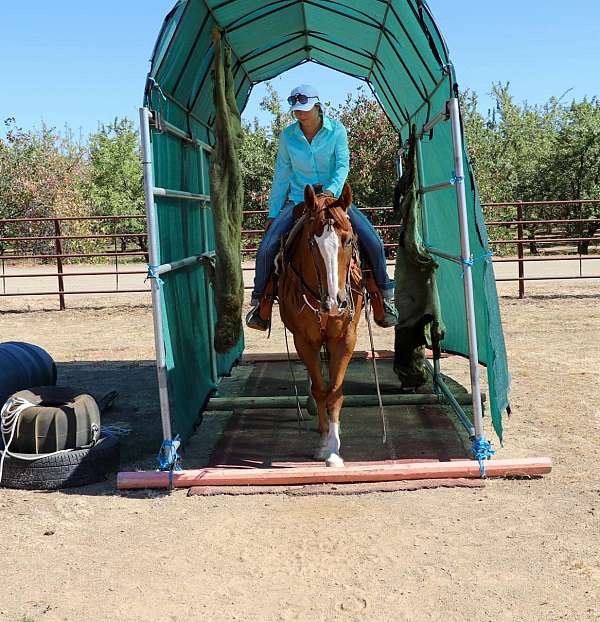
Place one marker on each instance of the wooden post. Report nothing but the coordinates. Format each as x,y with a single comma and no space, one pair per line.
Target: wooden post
59,265
521,264
388,471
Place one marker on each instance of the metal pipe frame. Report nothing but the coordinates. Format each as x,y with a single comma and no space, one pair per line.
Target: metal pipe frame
159,342
441,116
435,187
214,370
177,265
181,134
180,194
209,307
287,401
438,253
455,404
461,198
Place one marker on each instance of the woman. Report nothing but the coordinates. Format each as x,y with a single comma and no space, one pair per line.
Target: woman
314,150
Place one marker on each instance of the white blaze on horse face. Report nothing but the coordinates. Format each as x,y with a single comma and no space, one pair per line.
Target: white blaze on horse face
329,245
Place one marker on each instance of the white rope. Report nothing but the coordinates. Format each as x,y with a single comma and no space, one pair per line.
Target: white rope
9,418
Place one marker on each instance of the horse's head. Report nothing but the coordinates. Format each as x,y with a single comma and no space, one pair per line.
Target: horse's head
330,239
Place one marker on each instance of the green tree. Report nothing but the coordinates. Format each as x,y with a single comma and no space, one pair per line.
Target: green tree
573,168
43,173
116,186
373,144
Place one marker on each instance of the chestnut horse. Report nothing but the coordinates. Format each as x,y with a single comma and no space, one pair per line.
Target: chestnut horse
320,301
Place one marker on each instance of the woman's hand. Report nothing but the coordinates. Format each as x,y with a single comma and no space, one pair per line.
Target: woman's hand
268,223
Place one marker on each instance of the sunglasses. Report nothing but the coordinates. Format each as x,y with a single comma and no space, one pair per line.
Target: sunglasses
301,99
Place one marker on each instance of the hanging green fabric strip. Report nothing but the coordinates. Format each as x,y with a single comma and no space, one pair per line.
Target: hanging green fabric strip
227,199
420,321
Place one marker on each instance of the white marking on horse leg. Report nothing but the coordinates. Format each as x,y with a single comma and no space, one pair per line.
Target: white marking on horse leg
329,245
333,445
323,450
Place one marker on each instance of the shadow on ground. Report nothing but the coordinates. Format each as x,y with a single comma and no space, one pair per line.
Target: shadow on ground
264,438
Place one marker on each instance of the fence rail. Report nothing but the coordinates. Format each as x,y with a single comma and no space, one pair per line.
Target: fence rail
554,233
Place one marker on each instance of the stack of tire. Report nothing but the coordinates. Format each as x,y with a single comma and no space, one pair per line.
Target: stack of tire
57,442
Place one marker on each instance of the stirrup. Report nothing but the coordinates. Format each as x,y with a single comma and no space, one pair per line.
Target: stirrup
253,320
390,314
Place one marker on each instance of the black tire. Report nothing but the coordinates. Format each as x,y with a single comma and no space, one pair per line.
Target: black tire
65,470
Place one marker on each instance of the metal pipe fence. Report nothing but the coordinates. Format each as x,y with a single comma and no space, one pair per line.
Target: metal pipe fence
539,235
552,236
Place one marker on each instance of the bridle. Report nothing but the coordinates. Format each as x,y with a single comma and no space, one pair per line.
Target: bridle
318,306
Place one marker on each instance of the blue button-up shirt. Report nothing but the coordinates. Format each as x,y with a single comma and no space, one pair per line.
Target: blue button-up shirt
325,160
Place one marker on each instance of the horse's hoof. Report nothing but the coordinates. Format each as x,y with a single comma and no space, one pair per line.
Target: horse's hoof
334,461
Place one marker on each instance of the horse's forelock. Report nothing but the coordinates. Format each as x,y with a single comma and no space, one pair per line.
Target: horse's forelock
326,207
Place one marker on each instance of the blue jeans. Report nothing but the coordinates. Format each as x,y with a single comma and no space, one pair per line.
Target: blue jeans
368,238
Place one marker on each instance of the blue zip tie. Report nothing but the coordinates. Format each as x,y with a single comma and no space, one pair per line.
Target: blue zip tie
456,180
481,451
473,260
153,274
168,457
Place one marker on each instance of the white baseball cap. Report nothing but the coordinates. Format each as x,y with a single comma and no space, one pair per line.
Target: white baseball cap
304,93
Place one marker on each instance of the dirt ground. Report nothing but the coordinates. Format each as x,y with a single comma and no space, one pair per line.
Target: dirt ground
514,550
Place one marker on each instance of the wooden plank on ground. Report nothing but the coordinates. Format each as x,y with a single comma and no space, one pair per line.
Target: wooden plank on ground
377,472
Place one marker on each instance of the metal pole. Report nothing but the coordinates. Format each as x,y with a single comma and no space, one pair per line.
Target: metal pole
210,309
467,267
214,369
59,265
521,265
159,342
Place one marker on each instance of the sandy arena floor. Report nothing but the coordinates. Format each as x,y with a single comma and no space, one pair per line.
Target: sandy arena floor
511,551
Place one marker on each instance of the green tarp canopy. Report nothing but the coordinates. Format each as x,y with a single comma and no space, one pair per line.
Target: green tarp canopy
393,45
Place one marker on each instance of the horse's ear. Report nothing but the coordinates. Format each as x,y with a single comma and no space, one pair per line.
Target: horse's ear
345,200
309,197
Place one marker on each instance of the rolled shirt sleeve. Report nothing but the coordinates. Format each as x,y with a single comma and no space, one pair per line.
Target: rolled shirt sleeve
281,178
342,162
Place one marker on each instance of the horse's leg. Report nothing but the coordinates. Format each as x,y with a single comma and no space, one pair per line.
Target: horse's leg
310,355
340,354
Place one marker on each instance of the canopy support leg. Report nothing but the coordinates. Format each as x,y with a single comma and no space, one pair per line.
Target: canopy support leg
159,343
481,447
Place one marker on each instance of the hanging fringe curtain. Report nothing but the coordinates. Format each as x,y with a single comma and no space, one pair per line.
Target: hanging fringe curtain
420,320
227,199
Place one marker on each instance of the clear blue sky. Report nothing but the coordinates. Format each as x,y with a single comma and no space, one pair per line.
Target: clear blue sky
79,63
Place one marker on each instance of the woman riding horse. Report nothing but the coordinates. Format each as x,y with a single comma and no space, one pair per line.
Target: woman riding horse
313,151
